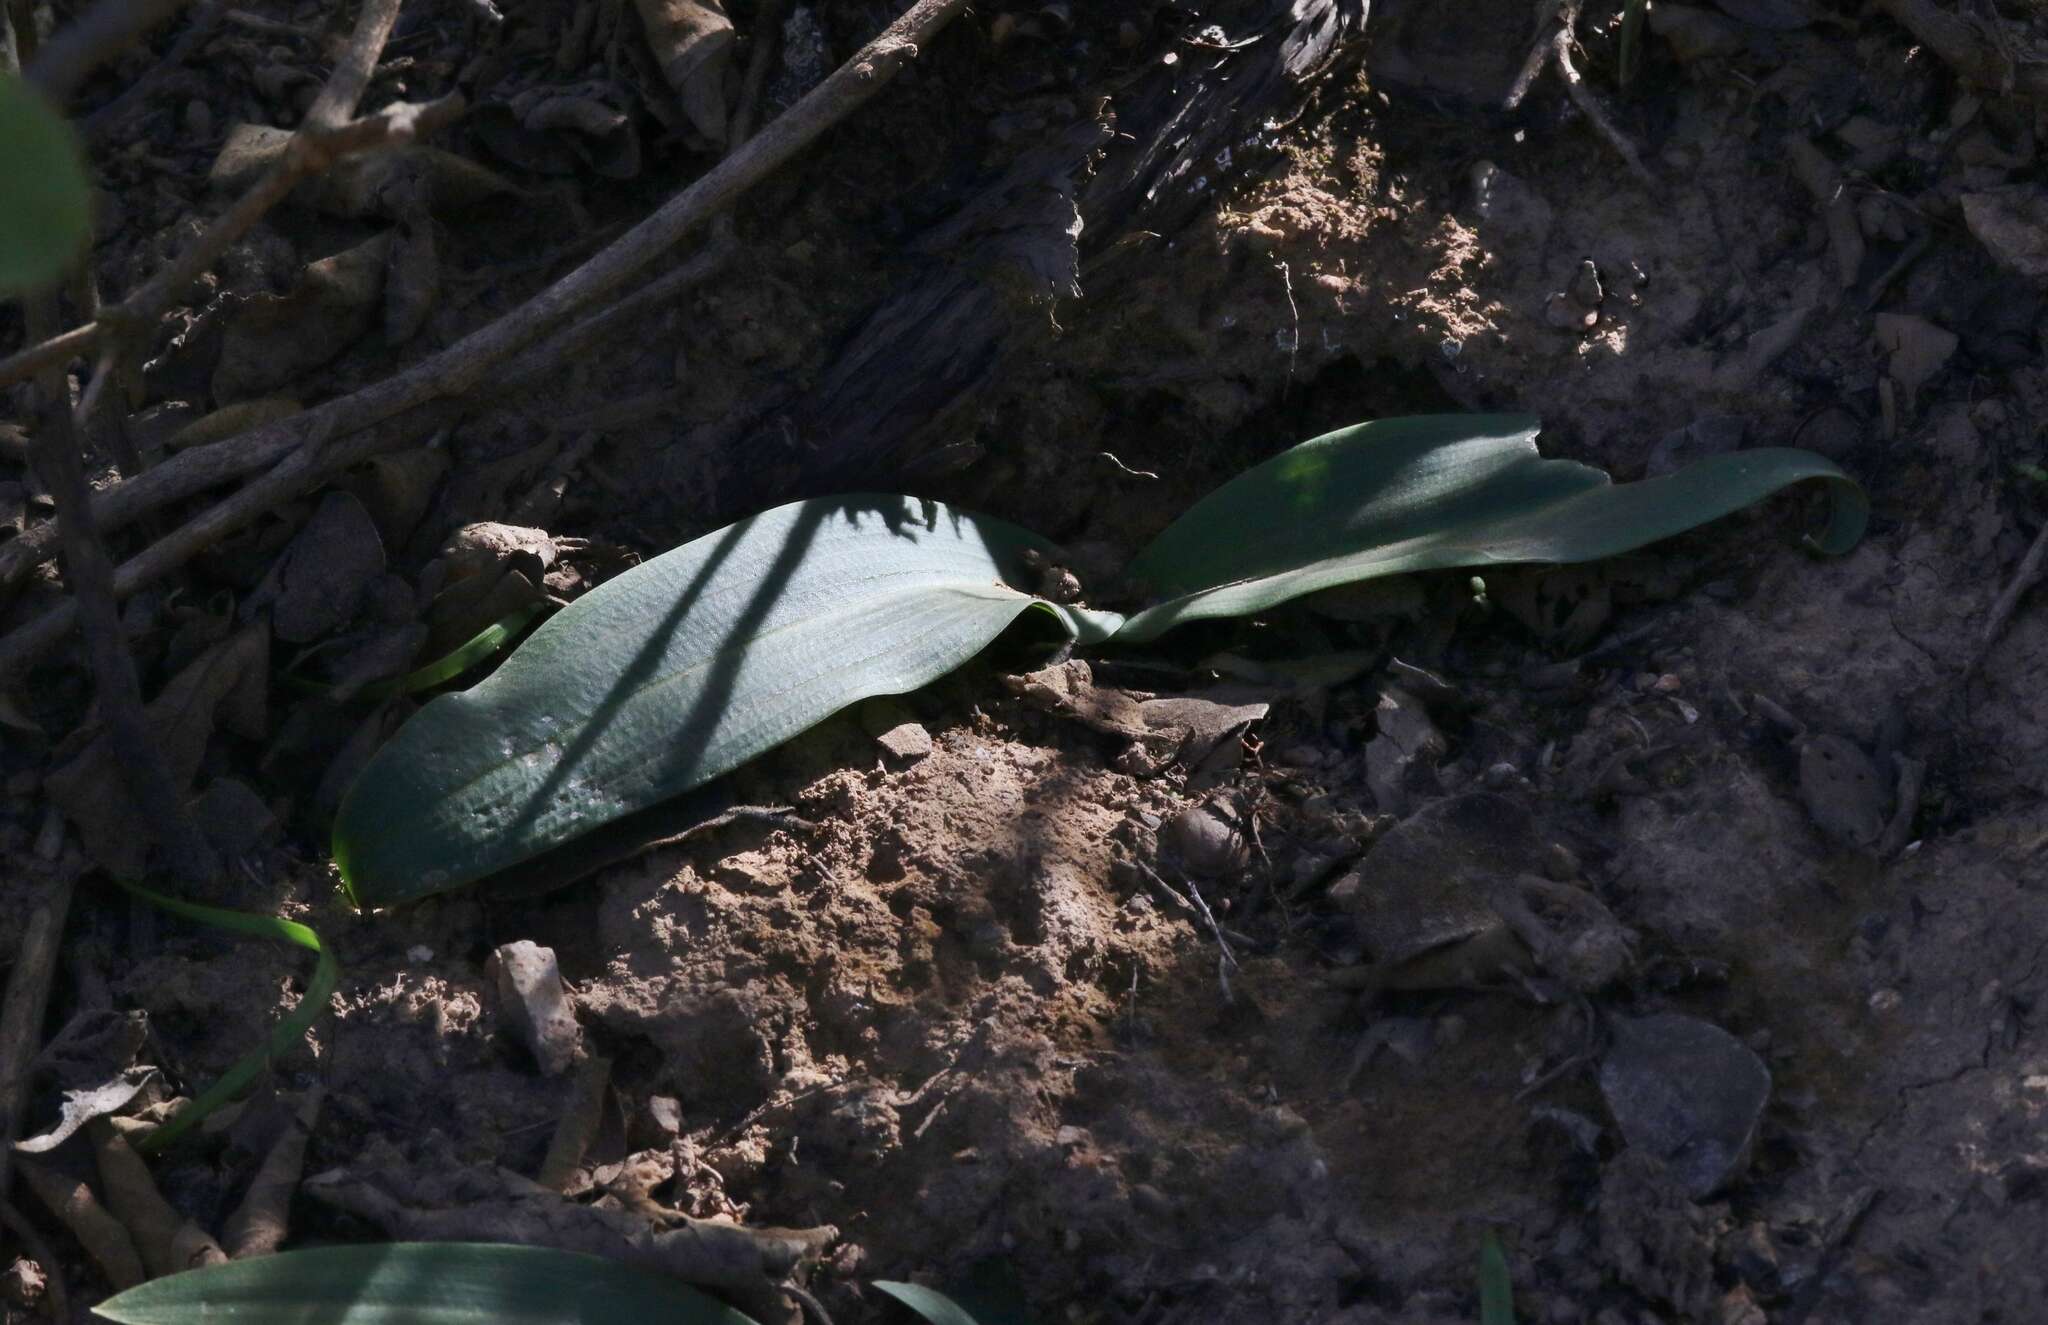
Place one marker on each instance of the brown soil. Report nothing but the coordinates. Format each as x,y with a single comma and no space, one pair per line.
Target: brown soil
958,1020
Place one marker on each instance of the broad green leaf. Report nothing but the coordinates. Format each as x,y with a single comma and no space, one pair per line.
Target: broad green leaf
418,1283
45,201
290,1027
988,1294
930,1303
680,670
1437,492
1496,1287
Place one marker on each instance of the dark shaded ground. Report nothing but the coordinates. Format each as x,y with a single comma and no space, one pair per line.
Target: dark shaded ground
957,1021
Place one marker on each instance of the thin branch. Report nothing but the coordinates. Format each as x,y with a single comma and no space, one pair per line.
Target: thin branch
2023,579
1557,34
97,36
1539,56
1596,114
336,103
90,572
22,1009
303,441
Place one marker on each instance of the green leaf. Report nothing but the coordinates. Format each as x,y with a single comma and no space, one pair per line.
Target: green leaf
990,1293
289,1028
47,216
1496,1288
678,671
426,676
1436,492
930,1303
1629,56
418,1283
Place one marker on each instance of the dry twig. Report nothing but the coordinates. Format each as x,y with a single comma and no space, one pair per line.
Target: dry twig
2029,572
169,1242
73,1204
260,1222
305,442
1554,47
21,1012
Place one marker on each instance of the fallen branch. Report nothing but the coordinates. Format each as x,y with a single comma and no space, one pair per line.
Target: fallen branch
116,687
307,439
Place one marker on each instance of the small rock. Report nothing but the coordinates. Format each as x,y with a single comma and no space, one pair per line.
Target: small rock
908,742
319,583
2012,225
1918,349
1688,1093
1401,758
1585,288
1151,1202
486,546
534,1005
1204,842
1844,790
666,1113
1564,313
1278,1123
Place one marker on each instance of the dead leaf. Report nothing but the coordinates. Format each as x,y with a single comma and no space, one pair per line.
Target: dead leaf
692,40
228,688
82,1106
1918,350
272,338
317,586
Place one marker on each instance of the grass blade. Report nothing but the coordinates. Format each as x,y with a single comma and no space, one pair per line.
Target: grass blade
289,1028
418,1283
1496,1288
